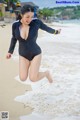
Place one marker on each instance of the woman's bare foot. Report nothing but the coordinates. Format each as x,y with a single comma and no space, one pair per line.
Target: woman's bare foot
49,77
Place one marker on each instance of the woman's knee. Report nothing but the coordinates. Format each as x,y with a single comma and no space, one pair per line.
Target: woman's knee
23,77
33,78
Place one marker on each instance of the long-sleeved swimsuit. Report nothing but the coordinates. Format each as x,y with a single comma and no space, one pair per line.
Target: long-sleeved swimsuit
28,48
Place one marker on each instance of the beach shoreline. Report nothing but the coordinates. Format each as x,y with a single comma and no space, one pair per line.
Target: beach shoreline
61,56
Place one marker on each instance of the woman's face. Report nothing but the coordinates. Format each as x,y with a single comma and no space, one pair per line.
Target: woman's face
27,17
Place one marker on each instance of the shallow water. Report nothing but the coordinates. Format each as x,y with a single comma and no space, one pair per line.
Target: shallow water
61,99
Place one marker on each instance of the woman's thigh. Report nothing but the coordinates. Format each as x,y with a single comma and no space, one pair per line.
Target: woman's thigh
35,65
23,67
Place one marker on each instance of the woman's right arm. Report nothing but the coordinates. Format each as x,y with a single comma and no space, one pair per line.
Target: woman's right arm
13,42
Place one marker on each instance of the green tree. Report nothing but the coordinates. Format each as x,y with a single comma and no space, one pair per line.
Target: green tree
45,12
1,14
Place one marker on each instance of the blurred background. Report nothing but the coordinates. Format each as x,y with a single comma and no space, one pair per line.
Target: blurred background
49,11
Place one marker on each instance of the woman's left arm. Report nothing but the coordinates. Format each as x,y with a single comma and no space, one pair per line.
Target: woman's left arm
48,29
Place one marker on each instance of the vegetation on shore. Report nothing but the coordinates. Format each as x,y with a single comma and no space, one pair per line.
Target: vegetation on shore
68,12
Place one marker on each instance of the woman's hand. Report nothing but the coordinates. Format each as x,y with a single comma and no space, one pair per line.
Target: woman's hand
8,56
57,31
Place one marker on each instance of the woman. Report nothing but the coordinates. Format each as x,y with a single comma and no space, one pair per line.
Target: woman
26,31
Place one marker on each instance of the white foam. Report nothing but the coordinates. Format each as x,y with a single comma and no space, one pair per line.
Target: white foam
35,116
61,99
34,85
63,95
67,118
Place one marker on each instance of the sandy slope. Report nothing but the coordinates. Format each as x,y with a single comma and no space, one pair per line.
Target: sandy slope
9,87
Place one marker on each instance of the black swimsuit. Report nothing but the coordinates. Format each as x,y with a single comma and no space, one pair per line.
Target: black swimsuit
28,48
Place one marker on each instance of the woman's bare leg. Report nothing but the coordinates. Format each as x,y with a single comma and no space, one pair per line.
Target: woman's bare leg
34,73
23,68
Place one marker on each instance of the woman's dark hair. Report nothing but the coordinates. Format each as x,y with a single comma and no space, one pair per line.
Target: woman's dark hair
18,16
27,8
24,9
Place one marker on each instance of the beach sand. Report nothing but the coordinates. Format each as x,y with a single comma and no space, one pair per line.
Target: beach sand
9,87
57,101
